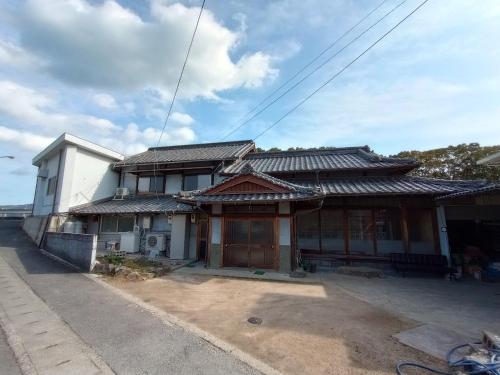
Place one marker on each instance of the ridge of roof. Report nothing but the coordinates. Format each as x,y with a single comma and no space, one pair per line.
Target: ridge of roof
326,150
200,145
364,151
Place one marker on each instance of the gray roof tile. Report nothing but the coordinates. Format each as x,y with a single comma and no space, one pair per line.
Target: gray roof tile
191,153
314,160
491,188
392,185
135,205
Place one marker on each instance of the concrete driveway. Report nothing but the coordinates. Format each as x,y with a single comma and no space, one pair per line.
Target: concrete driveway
128,338
466,306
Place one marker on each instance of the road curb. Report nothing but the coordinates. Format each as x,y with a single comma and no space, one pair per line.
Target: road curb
23,359
170,319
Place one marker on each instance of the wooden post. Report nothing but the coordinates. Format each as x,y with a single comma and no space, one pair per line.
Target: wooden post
374,232
435,232
320,232
346,232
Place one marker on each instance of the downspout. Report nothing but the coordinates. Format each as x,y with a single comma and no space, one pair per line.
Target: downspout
57,181
36,190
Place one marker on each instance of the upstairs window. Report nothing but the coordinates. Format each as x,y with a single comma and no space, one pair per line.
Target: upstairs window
150,184
156,184
190,183
51,185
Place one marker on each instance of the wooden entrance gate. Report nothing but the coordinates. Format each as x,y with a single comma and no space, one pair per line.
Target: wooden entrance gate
249,242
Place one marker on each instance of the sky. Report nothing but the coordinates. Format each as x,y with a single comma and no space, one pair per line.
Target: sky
106,71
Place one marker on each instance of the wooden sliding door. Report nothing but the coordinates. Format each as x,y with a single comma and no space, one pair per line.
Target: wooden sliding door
249,242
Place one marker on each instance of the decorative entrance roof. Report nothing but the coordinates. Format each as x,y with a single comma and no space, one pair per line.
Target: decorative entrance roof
251,186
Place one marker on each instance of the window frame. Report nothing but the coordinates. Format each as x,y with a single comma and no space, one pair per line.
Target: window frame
184,177
402,232
116,219
51,185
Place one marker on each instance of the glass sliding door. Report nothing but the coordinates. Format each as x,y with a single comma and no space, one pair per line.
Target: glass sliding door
421,231
308,231
361,232
388,231
332,231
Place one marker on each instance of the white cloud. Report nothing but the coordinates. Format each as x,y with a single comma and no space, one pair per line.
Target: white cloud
132,139
31,107
407,113
181,118
26,140
105,101
11,54
109,46
42,120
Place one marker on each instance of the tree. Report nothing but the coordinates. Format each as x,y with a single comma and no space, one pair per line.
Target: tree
454,162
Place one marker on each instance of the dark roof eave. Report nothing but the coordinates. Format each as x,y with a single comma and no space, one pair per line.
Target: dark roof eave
252,201
403,168
125,164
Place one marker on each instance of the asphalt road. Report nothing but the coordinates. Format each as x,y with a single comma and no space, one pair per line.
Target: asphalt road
128,338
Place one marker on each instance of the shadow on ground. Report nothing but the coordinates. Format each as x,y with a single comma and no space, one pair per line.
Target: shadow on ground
14,242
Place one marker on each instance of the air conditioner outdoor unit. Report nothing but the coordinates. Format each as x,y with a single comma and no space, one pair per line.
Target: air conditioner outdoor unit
120,193
155,243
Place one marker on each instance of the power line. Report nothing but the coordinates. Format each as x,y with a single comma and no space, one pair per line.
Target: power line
316,69
315,58
340,71
175,93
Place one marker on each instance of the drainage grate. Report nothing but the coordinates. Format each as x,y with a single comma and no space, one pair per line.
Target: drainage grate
254,320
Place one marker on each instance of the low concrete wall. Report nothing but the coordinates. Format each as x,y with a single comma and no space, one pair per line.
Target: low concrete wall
78,249
34,226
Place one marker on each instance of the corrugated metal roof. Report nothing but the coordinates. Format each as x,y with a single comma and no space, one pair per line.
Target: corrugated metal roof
191,153
315,160
394,185
135,205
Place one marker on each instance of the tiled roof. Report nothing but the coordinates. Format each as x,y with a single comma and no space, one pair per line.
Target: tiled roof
392,185
315,160
295,191
488,189
190,153
254,198
135,205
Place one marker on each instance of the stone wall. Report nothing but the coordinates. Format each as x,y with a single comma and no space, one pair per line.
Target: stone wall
77,249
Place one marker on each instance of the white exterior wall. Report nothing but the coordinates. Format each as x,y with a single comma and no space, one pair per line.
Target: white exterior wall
43,202
93,179
179,237
84,177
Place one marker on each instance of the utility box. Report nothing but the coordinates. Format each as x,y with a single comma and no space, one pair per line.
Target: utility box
129,242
